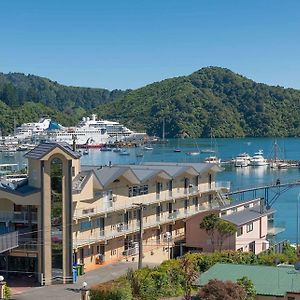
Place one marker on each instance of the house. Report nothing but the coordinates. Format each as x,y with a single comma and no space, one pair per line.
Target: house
67,214
281,282
252,219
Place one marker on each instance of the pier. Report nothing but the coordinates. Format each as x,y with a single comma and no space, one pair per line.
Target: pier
277,188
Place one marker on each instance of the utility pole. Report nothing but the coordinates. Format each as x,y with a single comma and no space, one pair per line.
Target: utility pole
141,209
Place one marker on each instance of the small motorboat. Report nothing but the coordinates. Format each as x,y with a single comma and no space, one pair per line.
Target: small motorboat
105,149
147,148
193,153
177,150
139,155
212,160
85,152
117,150
124,152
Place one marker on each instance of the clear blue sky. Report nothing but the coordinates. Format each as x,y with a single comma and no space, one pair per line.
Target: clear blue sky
130,43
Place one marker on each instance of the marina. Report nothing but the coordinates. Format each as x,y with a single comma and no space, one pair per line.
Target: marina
240,177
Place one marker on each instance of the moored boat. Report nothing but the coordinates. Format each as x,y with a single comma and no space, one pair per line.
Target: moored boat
212,160
242,160
258,159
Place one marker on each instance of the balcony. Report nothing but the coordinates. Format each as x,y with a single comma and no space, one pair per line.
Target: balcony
9,241
123,203
18,216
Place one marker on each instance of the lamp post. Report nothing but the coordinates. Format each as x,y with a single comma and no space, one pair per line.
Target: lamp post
297,229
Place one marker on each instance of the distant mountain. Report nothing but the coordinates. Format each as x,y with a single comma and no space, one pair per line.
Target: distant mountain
211,98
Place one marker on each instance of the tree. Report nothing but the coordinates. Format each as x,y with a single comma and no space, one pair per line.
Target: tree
216,290
209,224
248,286
189,275
225,230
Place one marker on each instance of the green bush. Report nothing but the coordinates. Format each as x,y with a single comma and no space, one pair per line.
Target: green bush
119,289
6,292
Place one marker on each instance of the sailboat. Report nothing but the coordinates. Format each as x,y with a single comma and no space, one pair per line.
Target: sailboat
277,163
209,150
194,153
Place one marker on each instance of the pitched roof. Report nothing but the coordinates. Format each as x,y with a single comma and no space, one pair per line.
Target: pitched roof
275,281
247,215
44,148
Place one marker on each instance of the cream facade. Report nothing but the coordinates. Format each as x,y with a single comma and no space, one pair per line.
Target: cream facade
91,214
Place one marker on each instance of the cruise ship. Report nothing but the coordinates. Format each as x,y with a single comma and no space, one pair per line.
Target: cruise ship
114,129
90,132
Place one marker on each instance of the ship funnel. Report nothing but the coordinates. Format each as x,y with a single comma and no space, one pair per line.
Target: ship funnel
83,119
94,116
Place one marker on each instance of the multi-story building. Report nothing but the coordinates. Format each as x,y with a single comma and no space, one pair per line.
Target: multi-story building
66,213
253,222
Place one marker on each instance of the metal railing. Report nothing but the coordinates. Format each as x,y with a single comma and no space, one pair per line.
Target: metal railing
9,241
18,216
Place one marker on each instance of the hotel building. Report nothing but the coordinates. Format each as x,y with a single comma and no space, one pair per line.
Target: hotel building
65,213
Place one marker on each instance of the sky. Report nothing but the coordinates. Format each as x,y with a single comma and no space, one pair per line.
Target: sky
121,44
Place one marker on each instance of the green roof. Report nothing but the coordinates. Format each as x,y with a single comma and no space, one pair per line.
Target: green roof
275,281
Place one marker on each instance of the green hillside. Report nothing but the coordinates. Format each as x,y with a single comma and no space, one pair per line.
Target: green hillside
217,98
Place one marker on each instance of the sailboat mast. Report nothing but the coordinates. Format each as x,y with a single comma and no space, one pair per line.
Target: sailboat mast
163,130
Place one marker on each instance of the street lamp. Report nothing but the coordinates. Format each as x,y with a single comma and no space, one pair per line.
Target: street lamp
297,229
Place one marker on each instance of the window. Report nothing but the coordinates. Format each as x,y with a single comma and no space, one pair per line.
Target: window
73,171
223,213
249,227
291,298
234,209
240,249
136,190
246,206
85,225
240,231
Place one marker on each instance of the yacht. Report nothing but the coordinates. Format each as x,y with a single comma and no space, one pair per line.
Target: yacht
212,160
242,160
258,159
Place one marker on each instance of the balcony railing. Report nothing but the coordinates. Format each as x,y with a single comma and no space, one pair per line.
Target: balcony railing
132,227
9,241
120,203
18,216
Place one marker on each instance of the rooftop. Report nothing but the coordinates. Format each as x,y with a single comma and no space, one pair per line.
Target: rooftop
247,215
44,148
275,281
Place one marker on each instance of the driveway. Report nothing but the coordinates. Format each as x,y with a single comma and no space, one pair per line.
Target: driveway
72,291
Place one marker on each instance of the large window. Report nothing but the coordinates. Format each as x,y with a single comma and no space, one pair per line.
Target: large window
240,231
56,216
85,225
137,190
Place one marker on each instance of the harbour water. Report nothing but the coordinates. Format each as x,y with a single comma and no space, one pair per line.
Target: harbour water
285,205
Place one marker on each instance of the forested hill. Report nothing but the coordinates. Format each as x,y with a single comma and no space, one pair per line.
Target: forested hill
18,88
213,97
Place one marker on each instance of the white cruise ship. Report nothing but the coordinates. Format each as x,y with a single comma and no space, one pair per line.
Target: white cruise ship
84,136
115,130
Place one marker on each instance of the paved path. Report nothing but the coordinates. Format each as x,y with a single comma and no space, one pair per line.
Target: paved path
72,291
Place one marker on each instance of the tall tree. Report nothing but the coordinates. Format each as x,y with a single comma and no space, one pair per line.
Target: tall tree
225,229
209,224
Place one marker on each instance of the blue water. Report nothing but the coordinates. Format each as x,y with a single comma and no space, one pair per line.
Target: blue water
286,204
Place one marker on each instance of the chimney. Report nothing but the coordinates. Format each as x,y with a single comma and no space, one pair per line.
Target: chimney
74,142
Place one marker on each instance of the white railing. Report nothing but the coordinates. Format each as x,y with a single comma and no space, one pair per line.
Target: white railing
9,241
120,202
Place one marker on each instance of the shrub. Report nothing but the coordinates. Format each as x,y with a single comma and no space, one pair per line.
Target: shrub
119,289
6,292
